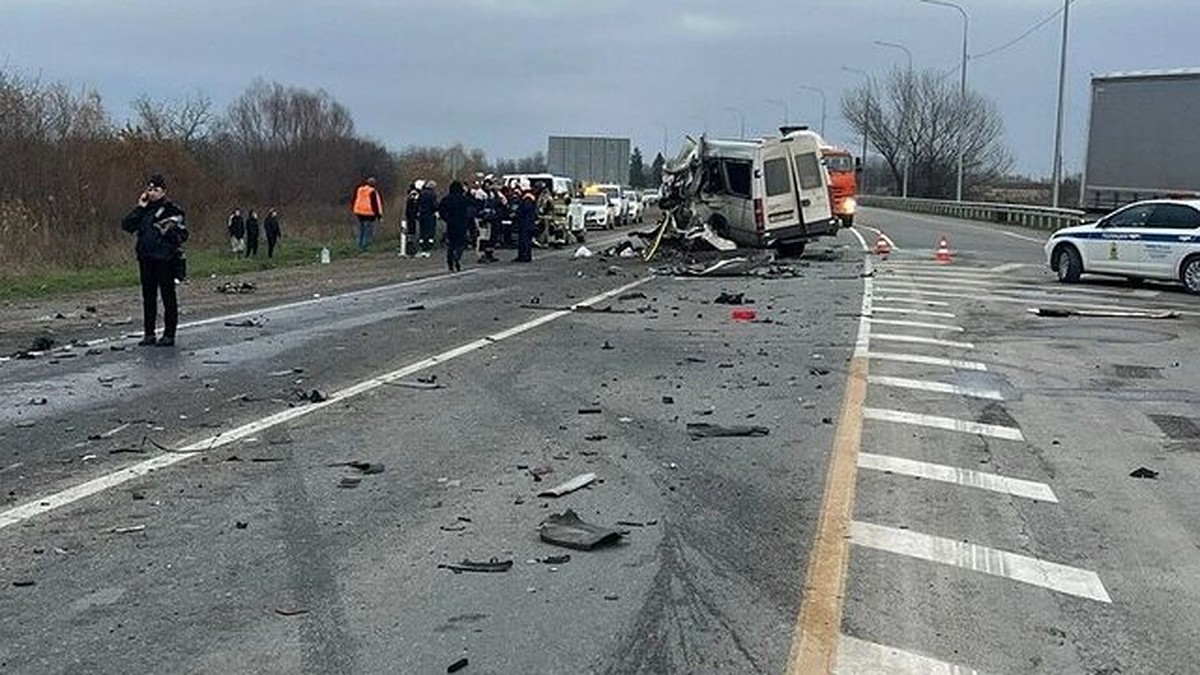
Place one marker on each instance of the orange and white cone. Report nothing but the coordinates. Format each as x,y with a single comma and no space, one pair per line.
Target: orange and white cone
882,247
942,254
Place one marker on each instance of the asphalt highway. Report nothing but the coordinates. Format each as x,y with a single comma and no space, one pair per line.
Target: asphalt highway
945,486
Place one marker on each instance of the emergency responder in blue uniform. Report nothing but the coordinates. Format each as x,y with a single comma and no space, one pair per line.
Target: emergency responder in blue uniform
526,221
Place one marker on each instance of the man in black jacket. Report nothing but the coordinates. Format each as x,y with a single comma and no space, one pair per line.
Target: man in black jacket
160,232
456,209
427,203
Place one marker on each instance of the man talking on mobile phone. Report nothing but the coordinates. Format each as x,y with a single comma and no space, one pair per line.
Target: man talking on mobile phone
160,232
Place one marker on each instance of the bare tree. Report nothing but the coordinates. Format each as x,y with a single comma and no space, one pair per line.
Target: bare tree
915,117
187,121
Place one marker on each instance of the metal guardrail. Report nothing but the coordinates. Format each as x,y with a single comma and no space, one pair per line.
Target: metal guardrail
1040,217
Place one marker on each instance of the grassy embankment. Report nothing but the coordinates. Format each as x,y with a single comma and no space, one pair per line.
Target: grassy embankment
203,262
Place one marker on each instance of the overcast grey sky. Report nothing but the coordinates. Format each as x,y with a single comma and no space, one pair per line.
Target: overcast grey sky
503,74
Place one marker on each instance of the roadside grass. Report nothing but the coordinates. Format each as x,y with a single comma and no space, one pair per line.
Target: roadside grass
202,263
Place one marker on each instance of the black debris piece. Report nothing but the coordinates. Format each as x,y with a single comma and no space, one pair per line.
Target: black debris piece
669,400
589,411
606,346
138,495
241,525
730,299
707,430
414,308
695,359
38,401
452,528
235,288
826,420
41,343
128,451
1143,472
245,323
457,665
635,295
556,559
367,468
630,523
493,565
313,396
595,437
349,481
569,530
290,610
818,371
24,583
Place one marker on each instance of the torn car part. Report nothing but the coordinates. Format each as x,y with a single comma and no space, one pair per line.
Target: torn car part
569,530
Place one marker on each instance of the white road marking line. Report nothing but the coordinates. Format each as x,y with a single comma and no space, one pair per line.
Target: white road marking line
861,241
58,500
1034,571
933,266
918,312
936,387
862,343
1012,288
952,474
1009,267
918,324
919,301
991,297
859,657
947,423
928,360
1022,237
919,340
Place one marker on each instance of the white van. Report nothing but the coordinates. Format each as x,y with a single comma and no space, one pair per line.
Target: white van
559,185
767,192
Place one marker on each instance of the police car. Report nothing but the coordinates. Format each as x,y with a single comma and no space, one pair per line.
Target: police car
1155,239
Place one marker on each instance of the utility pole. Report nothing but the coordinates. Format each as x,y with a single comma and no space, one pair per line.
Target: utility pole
904,111
962,90
1056,179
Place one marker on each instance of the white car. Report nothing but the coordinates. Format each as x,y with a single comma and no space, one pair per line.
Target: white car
1155,239
634,201
589,212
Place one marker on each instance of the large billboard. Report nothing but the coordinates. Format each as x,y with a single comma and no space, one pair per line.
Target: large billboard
589,159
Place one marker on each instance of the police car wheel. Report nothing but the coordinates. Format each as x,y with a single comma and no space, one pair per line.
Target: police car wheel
1070,266
1190,274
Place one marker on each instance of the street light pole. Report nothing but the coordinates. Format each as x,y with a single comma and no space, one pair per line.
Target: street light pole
904,112
962,89
1056,179
784,105
820,91
741,119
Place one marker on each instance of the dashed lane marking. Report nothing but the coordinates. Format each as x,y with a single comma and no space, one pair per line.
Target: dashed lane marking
928,360
936,387
58,500
920,340
914,312
951,474
1034,571
859,657
947,423
918,324
1008,267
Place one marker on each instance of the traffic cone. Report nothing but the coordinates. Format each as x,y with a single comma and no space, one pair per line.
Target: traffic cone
942,254
882,247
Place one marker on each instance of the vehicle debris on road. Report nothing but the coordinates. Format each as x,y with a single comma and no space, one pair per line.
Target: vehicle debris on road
1055,312
1143,472
707,430
580,481
236,288
567,529
245,323
493,565
367,468
457,665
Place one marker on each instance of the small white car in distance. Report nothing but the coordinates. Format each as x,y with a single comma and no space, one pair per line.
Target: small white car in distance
634,201
592,212
1154,239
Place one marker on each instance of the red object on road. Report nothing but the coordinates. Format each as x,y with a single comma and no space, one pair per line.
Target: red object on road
743,314
882,247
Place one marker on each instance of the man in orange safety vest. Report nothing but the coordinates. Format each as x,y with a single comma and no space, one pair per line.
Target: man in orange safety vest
368,206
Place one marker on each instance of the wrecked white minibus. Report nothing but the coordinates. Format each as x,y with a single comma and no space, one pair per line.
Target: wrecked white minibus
764,193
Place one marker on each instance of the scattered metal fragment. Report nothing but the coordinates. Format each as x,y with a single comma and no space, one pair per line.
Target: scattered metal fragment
635,295
582,480
569,530
349,481
313,396
669,400
630,523
555,559
245,323
452,528
290,610
241,524
128,451
127,530
730,299
290,371
1101,313
39,401
1143,472
707,430
590,411
493,565
606,346
367,468
595,437
24,583
410,384
235,288
457,665
414,308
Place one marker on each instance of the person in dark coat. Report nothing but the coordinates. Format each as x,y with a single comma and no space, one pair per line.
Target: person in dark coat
236,227
160,232
456,210
427,204
252,234
526,221
411,212
271,229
